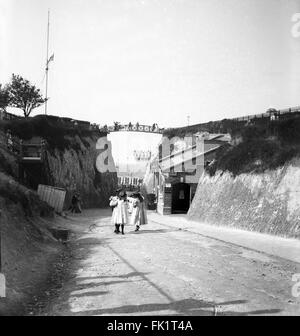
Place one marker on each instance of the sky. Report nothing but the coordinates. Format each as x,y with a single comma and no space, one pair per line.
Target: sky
155,61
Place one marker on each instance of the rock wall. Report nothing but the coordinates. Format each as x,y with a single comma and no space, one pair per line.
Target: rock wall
268,202
75,170
70,163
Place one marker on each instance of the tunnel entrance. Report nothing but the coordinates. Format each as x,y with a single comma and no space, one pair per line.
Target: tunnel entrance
181,193
32,174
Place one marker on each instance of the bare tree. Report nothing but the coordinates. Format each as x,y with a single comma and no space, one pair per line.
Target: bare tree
24,95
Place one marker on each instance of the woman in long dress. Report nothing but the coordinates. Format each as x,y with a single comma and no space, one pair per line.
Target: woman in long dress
120,212
139,215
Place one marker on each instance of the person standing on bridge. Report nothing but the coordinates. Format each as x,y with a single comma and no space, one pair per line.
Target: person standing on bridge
120,212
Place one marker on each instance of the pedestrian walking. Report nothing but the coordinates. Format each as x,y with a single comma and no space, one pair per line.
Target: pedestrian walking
139,215
120,212
75,203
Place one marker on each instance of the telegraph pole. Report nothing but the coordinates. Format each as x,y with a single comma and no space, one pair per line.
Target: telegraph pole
47,62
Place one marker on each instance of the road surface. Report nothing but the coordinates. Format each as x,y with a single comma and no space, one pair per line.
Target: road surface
163,270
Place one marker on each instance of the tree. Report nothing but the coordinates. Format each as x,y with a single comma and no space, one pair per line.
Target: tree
24,95
4,98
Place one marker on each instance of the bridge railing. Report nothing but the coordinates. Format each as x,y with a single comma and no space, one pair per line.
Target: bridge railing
270,113
133,128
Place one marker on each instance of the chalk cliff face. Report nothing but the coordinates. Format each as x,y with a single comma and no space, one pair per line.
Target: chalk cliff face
268,202
70,159
75,170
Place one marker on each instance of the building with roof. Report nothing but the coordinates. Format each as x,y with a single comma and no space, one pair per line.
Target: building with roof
174,177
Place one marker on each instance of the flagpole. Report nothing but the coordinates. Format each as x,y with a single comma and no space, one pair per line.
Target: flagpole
47,68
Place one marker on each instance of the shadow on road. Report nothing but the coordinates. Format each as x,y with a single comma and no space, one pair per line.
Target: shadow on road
127,275
92,294
187,307
152,231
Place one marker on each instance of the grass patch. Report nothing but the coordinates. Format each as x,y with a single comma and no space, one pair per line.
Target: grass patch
258,151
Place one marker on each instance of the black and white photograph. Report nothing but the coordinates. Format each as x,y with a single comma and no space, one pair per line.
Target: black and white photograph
150,161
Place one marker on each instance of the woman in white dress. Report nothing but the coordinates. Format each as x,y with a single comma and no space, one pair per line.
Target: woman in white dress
120,212
139,215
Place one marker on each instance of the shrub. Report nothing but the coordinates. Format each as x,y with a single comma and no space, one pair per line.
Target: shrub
56,131
289,131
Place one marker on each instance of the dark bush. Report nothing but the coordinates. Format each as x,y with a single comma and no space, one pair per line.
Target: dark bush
56,131
256,155
5,167
289,131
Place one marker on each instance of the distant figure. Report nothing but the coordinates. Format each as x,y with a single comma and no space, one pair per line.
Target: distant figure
139,215
75,204
116,126
9,140
155,127
130,126
120,213
73,201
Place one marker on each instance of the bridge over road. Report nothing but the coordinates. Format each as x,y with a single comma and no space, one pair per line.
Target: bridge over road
118,127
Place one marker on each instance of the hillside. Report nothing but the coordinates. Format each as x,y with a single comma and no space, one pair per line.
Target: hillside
253,183
30,253
28,250
260,148
69,160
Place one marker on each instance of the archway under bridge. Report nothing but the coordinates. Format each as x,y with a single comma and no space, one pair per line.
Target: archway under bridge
133,150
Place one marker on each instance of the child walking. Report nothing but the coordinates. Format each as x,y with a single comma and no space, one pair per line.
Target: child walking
120,212
139,215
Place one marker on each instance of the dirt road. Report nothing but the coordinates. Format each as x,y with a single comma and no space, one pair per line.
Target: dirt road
167,271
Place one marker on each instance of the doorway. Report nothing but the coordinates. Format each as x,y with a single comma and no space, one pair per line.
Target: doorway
180,198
